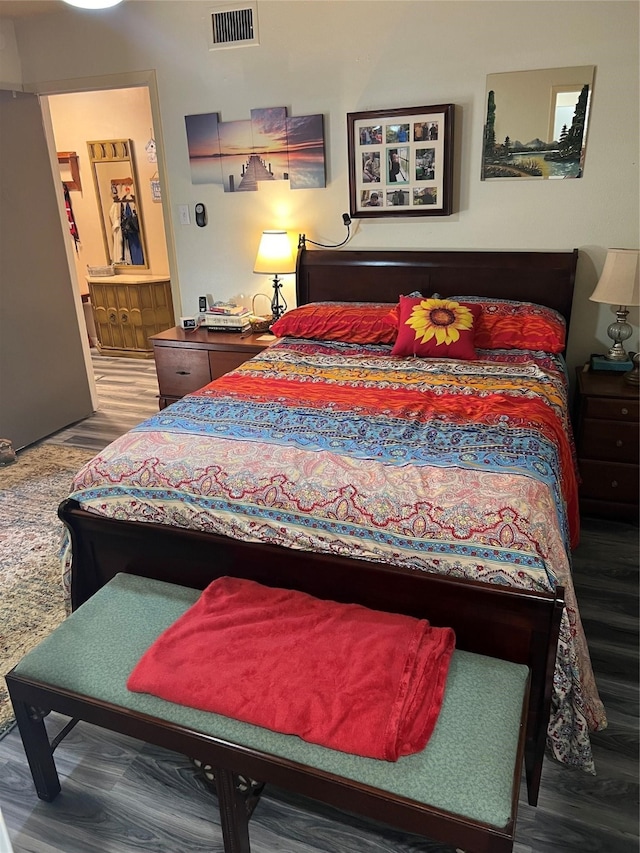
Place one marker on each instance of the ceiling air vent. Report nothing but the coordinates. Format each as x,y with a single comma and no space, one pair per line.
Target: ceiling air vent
233,25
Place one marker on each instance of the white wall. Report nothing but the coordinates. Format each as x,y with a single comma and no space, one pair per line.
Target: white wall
10,68
339,56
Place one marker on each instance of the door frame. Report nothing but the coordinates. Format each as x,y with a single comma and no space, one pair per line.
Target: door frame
125,80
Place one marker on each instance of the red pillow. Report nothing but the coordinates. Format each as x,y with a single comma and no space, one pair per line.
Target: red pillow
352,322
509,324
435,328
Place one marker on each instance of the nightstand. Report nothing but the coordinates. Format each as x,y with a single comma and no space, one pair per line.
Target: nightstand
187,360
607,440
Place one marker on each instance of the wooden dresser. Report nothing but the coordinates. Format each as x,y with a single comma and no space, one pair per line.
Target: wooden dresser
607,437
127,309
187,360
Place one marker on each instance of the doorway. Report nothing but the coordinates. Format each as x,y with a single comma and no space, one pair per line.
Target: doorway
77,118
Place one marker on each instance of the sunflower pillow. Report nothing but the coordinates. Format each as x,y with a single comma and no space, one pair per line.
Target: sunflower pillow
435,328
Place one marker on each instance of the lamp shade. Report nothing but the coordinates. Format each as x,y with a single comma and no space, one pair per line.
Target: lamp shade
274,254
618,283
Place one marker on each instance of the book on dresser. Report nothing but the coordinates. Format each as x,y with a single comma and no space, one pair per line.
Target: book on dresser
217,321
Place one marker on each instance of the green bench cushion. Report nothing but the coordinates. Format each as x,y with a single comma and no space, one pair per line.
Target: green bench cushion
467,767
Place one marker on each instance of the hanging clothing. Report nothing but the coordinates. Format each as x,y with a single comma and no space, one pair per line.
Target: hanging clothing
130,228
119,248
73,228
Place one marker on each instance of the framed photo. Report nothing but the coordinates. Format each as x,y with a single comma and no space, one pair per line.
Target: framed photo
401,162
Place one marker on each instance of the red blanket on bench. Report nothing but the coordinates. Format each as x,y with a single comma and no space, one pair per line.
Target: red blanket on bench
340,675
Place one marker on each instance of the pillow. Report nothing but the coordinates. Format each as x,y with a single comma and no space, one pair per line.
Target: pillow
435,328
351,322
393,316
509,324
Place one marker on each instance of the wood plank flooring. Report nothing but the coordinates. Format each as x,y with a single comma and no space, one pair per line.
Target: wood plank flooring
127,394
120,795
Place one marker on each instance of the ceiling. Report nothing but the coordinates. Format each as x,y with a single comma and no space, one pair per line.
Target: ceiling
27,8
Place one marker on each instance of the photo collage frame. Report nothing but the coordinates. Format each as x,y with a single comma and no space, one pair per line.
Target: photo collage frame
400,161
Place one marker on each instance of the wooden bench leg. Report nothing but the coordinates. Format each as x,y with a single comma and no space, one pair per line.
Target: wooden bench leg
38,750
533,764
234,817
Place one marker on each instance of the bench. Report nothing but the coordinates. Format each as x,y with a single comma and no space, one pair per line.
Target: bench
462,789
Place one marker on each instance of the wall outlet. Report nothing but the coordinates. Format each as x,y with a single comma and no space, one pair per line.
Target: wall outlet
183,213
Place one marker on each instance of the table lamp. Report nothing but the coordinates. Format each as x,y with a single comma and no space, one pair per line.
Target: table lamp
618,285
275,258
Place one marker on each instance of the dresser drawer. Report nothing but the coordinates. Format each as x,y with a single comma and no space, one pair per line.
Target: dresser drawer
189,360
609,481
612,440
181,370
612,408
221,362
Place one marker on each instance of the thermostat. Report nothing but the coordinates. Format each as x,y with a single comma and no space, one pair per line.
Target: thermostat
201,215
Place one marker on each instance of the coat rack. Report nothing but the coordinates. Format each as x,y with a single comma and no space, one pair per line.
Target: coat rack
117,184
70,159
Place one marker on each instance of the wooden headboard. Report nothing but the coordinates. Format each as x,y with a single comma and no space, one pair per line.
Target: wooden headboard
546,278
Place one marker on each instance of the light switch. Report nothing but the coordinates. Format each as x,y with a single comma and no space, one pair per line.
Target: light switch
183,212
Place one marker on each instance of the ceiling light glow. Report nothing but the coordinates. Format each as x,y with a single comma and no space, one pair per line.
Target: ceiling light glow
93,4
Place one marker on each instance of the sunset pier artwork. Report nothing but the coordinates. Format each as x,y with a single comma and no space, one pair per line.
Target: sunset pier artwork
238,155
255,170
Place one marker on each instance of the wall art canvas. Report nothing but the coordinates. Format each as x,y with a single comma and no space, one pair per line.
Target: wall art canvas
401,161
536,123
305,139
204,148
270,146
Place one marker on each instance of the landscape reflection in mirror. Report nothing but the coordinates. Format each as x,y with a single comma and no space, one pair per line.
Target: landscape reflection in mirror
536,123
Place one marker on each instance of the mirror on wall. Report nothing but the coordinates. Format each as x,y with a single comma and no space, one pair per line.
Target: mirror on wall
116,185
536,123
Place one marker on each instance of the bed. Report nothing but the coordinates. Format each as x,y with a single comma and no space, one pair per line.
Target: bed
331,456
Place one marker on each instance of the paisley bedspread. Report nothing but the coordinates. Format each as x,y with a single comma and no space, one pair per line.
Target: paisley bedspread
464,468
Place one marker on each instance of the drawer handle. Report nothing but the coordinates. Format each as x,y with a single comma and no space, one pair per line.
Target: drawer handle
624,411
614,484
183,372
619,443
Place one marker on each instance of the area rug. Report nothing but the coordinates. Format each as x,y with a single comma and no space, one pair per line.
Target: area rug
31,597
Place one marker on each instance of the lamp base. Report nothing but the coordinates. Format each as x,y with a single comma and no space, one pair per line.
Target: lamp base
601,362
278,304
619,332
633,376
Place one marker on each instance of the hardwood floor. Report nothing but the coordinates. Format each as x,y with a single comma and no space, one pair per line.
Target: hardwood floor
127,394
123,796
